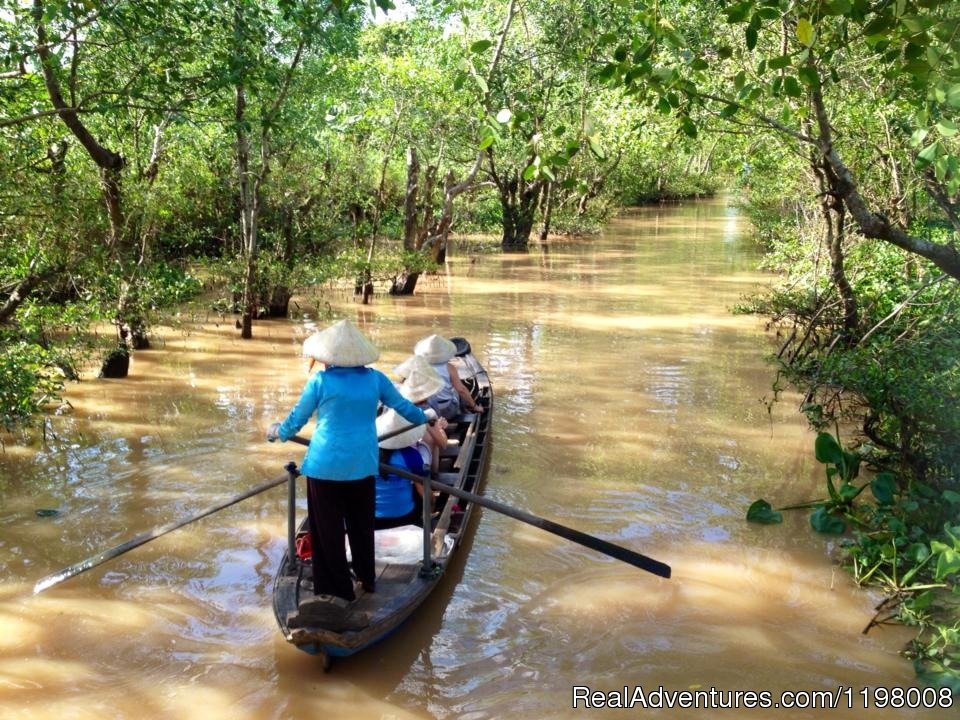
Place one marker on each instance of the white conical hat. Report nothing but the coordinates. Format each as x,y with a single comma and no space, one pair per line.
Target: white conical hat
341,344
435,349
421,383
389,421
414,362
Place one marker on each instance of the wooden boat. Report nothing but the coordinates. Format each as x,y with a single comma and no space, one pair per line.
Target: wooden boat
409,560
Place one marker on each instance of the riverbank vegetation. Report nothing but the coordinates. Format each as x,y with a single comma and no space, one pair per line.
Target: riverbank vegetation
157,150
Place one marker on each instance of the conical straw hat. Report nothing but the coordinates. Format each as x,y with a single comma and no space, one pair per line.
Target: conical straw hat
421,383
414,362
435,349
341,344
388,422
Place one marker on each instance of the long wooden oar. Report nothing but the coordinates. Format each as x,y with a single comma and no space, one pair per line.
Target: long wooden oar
594,543
100,558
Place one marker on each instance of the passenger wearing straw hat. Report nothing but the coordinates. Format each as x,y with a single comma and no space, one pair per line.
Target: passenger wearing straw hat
448,402
414,450
421,383
397,504
342,458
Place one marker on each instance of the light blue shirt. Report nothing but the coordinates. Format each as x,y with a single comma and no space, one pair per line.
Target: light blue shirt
344,443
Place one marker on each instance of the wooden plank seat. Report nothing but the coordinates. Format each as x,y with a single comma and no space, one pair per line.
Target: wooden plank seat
466,450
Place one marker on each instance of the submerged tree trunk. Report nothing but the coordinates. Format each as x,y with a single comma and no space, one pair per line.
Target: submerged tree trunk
518,201
406,282
248,216
423,232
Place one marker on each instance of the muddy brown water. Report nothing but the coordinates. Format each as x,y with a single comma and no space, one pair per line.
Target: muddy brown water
630,404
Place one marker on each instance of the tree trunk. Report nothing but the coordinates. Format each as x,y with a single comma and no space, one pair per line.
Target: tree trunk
248,216
411,214
834,217
945,256
518,201
546,213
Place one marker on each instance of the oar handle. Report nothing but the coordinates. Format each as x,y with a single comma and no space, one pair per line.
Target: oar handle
594,543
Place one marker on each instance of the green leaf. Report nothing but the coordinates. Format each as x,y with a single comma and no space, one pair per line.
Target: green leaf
827,449
848,492
761,512
485,142
751,34
482,84
729,110
791,87
699,64
880,25
823,522
805,32
883,487
607,71
947,564
929,154
779,62
850,467
809,77
481,45
530,172
951,497
921,602
918,552
739,12
596,149
918,136
838,7
947,128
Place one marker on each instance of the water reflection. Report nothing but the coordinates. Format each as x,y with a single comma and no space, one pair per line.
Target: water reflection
630,404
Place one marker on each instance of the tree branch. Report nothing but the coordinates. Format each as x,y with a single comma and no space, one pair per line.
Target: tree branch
871,224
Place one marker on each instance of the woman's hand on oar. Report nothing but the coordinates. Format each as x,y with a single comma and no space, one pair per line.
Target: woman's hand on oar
603,546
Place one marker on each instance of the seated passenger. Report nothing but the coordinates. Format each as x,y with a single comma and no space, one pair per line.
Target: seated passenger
396,502
420,385
454,397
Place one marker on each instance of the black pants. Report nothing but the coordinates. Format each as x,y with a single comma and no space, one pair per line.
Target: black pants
333,505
